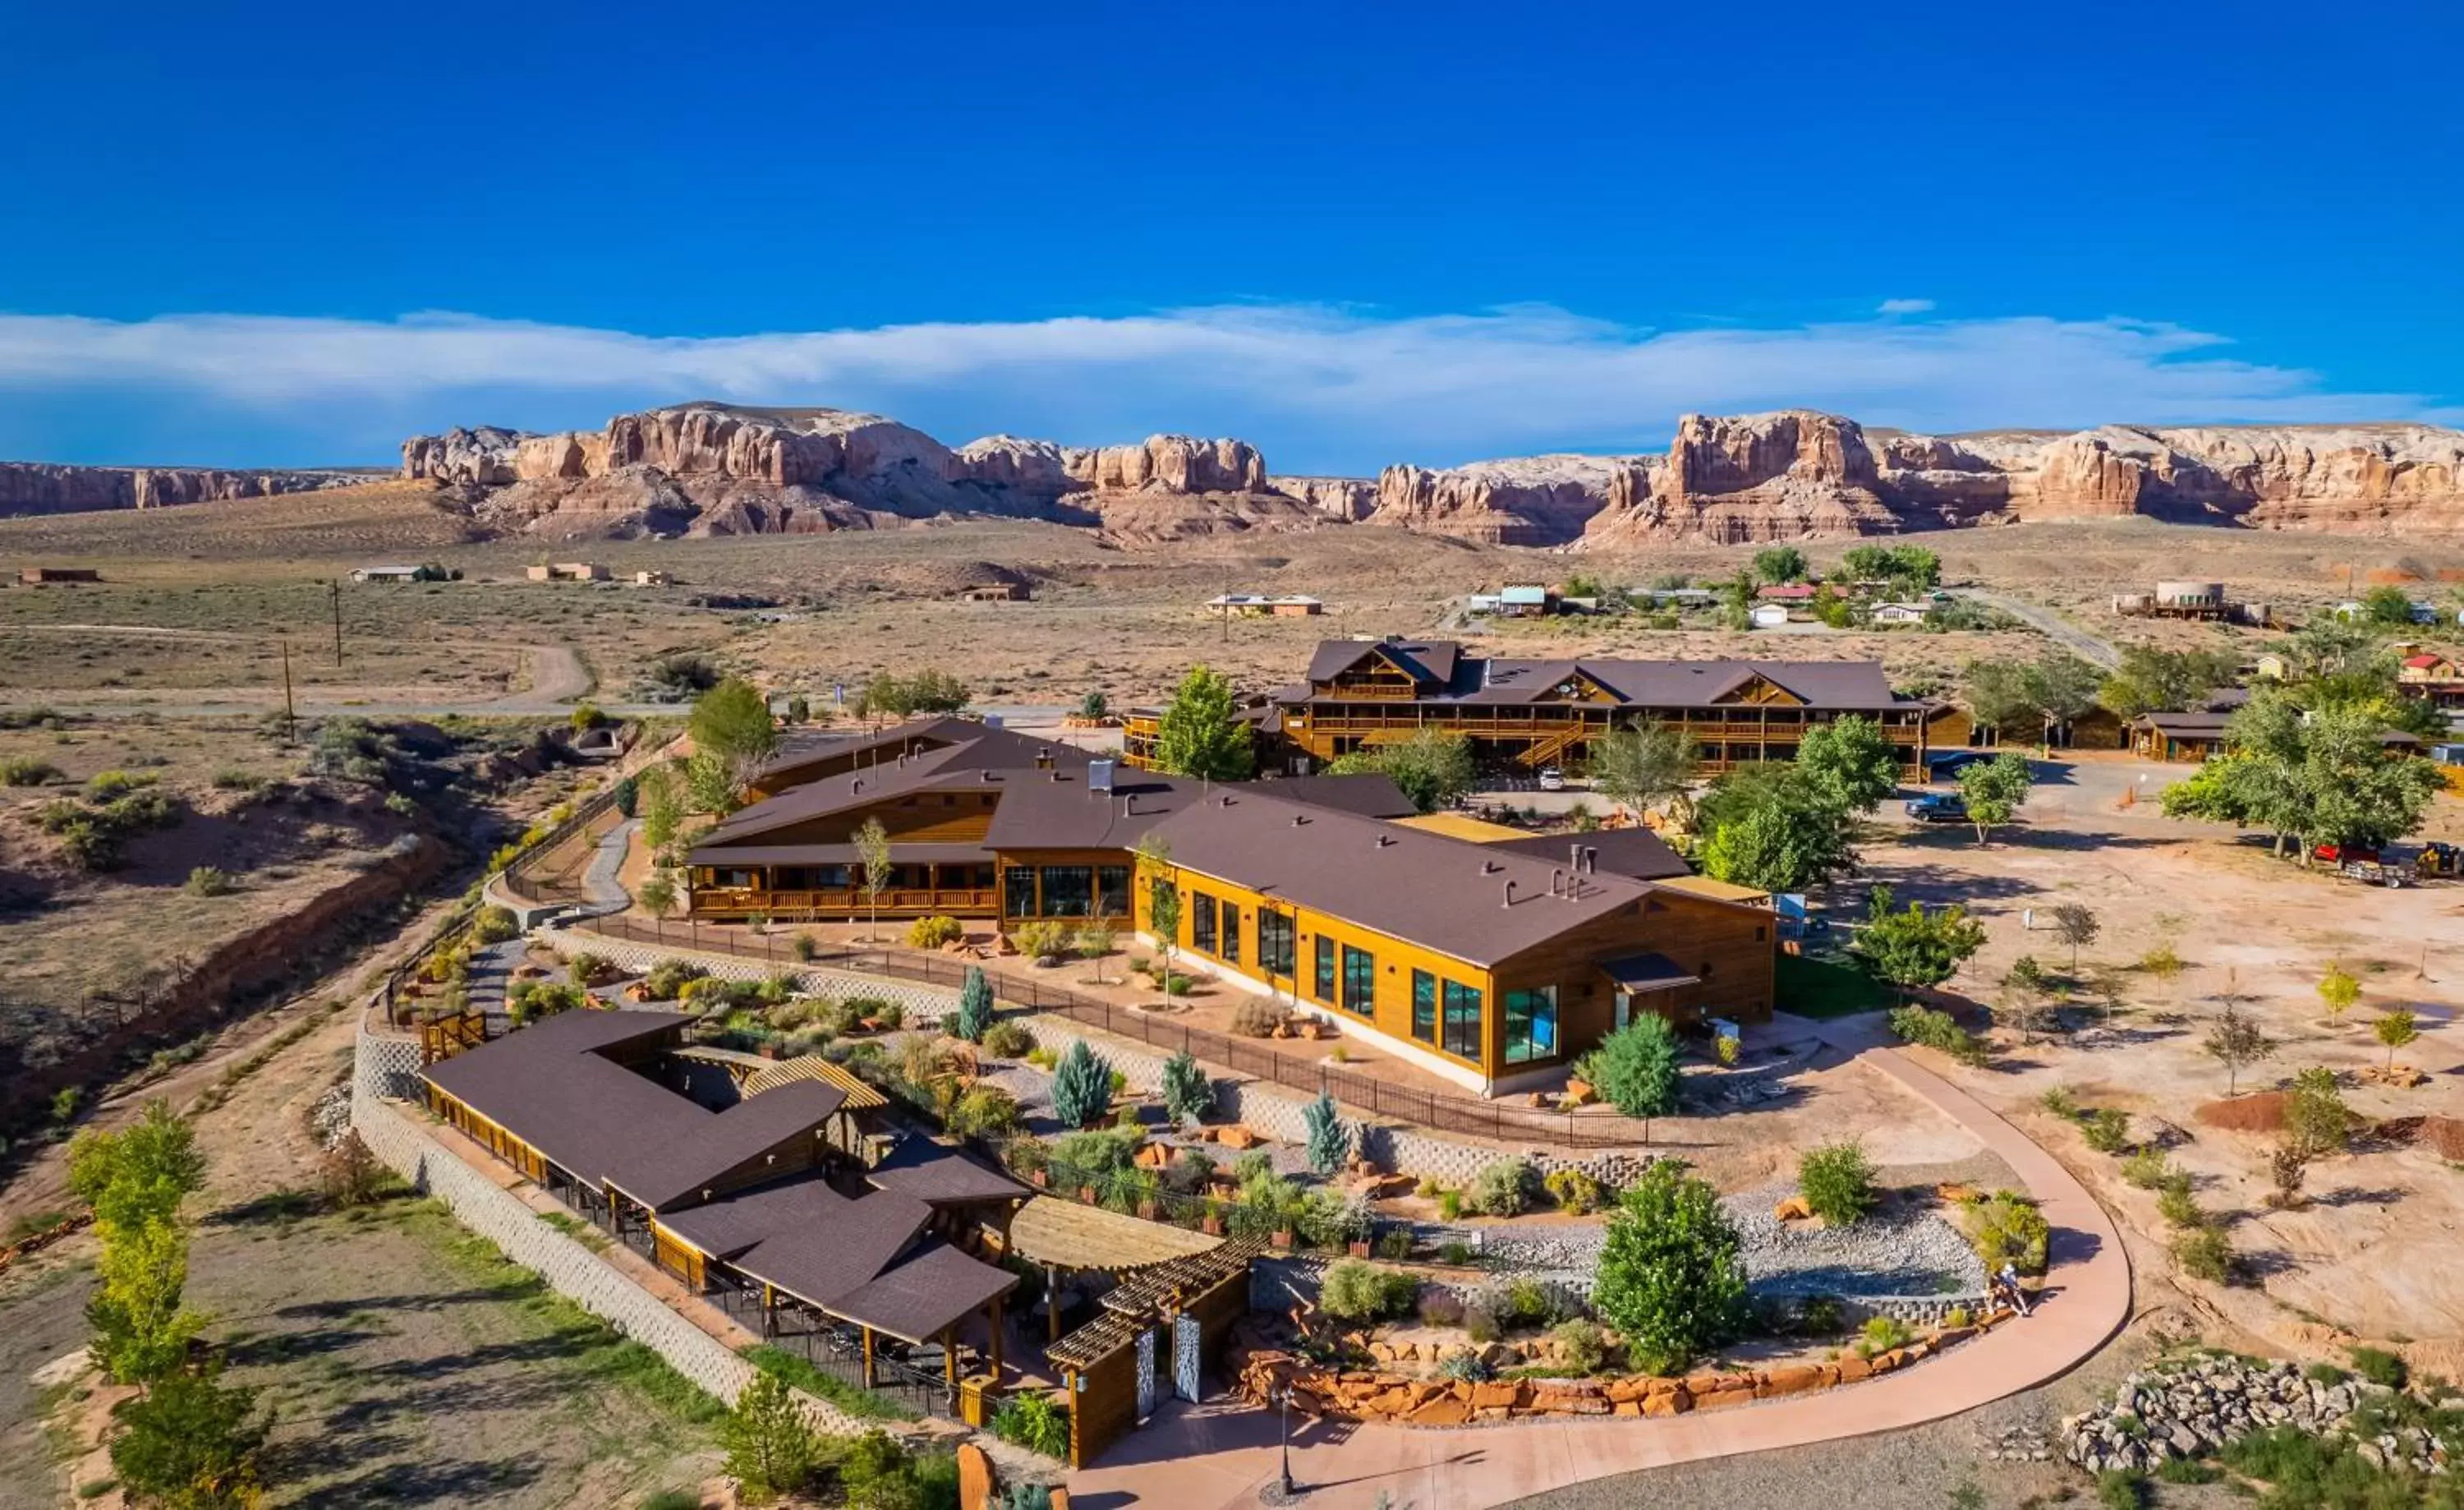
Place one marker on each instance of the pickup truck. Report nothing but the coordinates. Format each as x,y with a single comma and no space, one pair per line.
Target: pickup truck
1938,807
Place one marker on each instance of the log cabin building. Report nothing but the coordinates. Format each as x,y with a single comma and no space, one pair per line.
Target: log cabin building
777,1192
1526,715
1489,964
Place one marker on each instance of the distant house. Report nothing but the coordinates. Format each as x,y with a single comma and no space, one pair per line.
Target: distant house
35,576
1255,604
2270,667
1770,615
426,571
1901,612
1678,597
1786,592
995,592
1523,601
654,579
568,572
2433,678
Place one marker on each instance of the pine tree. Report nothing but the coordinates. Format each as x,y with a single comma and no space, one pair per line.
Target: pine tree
1188,1094
771,1449
1082,1085
975,1006
1330,1141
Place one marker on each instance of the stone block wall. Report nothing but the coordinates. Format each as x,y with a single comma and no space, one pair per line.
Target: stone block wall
925,1006
387,1066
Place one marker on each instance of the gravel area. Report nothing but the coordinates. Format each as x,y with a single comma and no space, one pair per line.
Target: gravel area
1915,1253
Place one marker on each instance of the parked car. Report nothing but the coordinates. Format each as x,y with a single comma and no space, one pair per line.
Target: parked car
1551,779
1947,765
1938,807
2343,853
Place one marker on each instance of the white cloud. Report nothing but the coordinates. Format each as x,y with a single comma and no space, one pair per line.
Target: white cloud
1315,387
1905,306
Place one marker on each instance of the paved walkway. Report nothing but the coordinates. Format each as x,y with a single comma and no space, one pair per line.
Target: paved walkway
1202,1458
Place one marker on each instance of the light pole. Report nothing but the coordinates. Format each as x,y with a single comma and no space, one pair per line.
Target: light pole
1284,1402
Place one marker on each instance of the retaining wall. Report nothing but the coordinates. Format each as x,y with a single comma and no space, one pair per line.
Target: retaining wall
925,1006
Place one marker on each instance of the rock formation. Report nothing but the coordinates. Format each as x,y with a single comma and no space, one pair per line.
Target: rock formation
1343,498
42,487
1171,464
1529,501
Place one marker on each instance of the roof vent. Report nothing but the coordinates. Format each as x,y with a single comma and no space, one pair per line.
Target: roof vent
1299,820
1384,840
1591,859
856,786
1491,867
1225,801
1056,778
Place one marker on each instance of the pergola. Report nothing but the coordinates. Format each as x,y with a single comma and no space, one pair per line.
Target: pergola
1059,1236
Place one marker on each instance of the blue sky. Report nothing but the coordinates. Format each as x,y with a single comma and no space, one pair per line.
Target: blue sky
1352,235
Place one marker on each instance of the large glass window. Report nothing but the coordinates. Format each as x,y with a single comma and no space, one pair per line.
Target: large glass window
1231,934
1018,891
1360,981
1424,1007
1111,891
833,877
1531,1025
1068,891
1201,922
1462,1022
1275,953
1322,984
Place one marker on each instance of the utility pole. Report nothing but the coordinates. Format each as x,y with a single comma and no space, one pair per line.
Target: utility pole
1227,610
336,587
289,713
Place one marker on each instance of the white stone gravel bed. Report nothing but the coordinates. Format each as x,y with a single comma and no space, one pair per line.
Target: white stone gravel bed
1908,1254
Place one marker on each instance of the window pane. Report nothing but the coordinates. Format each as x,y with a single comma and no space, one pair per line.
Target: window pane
1111,891
1531,1024
1325,984
1201,922
1018,891
1463,1023
1360,981
1068,891
1424,1007
1231,934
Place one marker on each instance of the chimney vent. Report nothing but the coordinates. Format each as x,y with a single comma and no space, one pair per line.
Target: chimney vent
1592,859
1509,891
1384,840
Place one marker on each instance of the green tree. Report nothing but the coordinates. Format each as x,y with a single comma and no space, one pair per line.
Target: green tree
1915,947
656,895
1200,733
975,1012
2339,990
2076,924
1642,764
771,1449
191,1443
1188,1094
138,1174
1851,761
1771,828
1737,599
732,720
2317,1122
1997,695
1635,1068
2396,1028
1670,1277
1163,897
1433,767
1780,564
872,848
2236,1042
1330,1139
2059,688
2388,608
1094,707
663,813
1082,1085
1993,790
141,1331
2153,681
714,784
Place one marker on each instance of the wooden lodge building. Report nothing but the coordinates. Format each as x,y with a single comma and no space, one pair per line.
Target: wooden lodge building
765,1184
1491,965
1532,714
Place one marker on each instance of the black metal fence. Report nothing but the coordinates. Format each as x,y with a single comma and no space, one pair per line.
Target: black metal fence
1418,1108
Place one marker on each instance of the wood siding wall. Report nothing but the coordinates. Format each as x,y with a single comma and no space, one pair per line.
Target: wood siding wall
1103,1403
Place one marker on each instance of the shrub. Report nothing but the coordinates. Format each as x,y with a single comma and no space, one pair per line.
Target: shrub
1330,1141
2007,1227
1503,1189
1635,1068
2107,1129
1026,1496
931,933
1956,1317
1466,1365
2180,1208
1257,1019
1041,942
495,926
672,1499
1188,1094
1396,1243
1026,1154
1576,1193
1481,1325
1267,1204
985,1110
25,770
803,947
1354,1291
1670,1278
190,1441
206,881
2203,1253
1251,1164
2120,1489
2379,1367
1454,1250
531,1001
667,977
2059,1101
1880,1334
2317,1122
1440,1308
110,785
1581,1344
1522,1303
2146,1169
974,1014
771,1449
1450,1208
1837,1183
1007,1040
1939,1031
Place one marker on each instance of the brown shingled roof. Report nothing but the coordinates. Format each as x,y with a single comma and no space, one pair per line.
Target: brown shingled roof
669,1172
548,1085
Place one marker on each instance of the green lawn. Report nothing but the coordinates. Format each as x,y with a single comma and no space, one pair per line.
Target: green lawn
1818,988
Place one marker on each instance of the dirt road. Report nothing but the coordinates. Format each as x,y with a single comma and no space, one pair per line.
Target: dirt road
2095,650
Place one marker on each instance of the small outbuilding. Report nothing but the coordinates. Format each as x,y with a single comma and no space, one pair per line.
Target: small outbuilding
1769,615
36,576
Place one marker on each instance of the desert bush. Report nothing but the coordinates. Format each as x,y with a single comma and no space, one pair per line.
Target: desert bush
1503,1188
2059,1101
1257,1019
1005,1039
985,1110
1581,1344
1451,1207
1035,1421
1940,1030
803,947
206,880
350,1175
1576,1193
1880,1334
110,785
2203,1253
2146,1169
1466,1366
1041,942
931,933
25,770
1635,1068
1522,1303
2007,1227
2106,1129
1354,1291
1671,1278
1082,1085
495,924
1440,1308
667,977
1837,1183
2379,1367
1481,1325
1251,1164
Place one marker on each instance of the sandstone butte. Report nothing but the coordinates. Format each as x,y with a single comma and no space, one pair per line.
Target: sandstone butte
716,469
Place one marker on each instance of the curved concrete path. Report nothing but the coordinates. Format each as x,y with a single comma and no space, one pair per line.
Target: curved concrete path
1202,1458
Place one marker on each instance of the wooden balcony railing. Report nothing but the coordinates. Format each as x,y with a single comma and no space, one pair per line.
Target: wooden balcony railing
955,901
